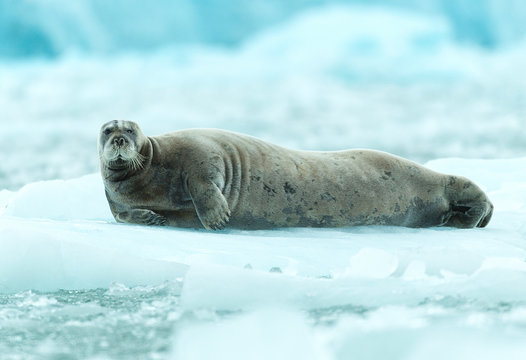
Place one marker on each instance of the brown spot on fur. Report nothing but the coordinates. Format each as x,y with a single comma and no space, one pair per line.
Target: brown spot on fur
269,190
289,189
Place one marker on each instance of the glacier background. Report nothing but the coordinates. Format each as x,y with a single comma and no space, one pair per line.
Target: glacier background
439,82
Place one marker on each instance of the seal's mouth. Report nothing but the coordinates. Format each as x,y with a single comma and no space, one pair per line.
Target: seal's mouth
122,157
119,160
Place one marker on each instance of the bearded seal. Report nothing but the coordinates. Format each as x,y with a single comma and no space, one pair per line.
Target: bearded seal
214,178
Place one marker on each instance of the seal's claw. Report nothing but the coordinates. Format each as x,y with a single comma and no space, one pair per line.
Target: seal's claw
152,218
157,220
218,222
141,216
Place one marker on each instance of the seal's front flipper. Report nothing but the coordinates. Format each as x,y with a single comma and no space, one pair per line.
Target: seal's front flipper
141,216
210,204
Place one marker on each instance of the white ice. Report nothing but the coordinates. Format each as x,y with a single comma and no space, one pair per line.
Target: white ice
61,235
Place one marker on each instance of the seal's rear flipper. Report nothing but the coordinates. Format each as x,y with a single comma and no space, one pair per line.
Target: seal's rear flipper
469,215
485,220
469,206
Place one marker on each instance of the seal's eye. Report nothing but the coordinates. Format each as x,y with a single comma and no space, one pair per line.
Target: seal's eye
107,132
129,131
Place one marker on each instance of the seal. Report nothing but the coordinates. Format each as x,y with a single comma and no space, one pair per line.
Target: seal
214,179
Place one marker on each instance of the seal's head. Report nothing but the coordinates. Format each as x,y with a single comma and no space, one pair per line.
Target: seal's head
120,143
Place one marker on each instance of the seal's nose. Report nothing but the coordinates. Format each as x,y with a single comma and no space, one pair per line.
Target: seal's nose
119,141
